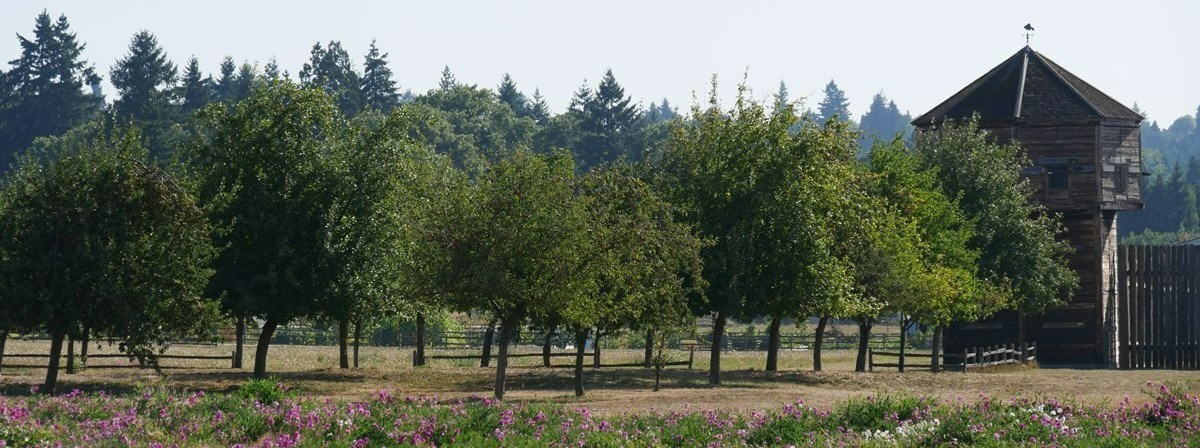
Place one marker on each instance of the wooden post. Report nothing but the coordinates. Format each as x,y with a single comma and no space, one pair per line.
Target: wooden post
964,360
233,362
691,355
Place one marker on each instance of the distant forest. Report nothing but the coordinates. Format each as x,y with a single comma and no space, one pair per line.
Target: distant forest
51,87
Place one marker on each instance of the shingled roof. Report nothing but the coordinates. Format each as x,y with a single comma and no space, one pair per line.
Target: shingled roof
1028,85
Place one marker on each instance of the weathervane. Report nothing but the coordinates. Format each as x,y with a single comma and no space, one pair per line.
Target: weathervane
1028,32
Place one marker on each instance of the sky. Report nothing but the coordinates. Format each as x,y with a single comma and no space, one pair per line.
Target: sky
917,53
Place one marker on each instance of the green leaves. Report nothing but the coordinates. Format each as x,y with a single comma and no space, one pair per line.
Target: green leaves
266,164
94,238
1015,237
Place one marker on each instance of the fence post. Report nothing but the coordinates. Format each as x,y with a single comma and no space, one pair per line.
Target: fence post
233,359
691,355
870,360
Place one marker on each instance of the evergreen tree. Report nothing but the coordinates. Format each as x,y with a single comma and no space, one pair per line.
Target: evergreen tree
512,97
43,91
834,104
227,80
246,77
271,70
145,78
448,82
538,110
610,124
883,121
378,87
781,96
197,88
661,112
330,69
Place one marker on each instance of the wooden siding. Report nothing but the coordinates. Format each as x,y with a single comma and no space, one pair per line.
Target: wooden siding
1091,152
1120,149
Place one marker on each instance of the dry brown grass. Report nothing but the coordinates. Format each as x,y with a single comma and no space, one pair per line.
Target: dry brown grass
312,370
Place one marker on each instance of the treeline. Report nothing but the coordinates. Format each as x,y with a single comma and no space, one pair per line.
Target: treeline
51,87
1172,157
293,200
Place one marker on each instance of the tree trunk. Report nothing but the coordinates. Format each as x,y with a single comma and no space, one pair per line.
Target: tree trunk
547,344
343,329
596,350
83,349
264,343
864,338
580,348
70,354
506,331
818,341
419,354
649,349
658,371
486,358
3,340
773,344
936,351
56,343
239,342
714,360
357,338
904,324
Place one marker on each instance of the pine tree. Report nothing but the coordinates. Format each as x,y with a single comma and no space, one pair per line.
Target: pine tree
781,96
227,80
834,104
271,70
145,78
579,100
538,110
378,87
447,82
883,121
330,69
246,77
197,88
43,92
508,93
610,124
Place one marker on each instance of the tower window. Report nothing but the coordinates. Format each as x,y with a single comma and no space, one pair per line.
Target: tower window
1056,180
1121,178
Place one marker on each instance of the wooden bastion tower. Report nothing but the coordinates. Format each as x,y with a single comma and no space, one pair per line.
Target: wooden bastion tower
1085,150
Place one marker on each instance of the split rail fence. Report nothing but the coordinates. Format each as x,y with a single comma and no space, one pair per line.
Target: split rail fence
970,358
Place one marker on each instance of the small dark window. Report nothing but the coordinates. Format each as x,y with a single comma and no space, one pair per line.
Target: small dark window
1056,180
1121,178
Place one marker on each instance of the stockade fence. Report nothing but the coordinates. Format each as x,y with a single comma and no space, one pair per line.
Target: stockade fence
970,358
1158,307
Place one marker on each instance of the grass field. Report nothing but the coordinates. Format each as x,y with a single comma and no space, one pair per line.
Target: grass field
312,371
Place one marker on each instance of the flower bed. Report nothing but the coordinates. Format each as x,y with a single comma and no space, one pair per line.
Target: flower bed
266,414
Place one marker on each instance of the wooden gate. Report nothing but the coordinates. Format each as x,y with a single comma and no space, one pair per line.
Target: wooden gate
1158,307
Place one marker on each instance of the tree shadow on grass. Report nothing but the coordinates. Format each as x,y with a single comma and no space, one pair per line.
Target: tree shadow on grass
426,380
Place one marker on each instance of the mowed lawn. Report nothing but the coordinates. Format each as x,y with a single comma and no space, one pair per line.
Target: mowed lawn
312,371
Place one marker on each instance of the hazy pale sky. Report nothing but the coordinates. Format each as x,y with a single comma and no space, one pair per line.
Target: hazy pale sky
917,52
